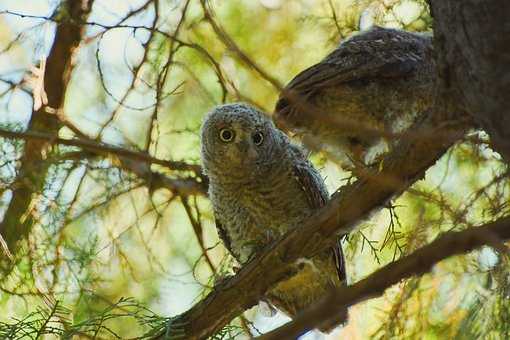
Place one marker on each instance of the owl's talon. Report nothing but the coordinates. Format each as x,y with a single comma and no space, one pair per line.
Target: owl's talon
267,309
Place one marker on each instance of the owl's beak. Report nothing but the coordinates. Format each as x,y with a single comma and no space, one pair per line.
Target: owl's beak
243,146
246,150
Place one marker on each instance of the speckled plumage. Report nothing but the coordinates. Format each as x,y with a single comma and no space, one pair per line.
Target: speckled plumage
373,84
259,192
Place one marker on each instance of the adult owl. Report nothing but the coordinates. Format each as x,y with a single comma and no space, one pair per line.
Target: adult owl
355,101
261,186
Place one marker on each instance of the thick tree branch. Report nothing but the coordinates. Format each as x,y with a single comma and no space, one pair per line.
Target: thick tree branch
353,203
419,262
472,39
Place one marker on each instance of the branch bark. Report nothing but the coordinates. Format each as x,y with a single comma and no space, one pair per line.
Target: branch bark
420,262
472,39
353,203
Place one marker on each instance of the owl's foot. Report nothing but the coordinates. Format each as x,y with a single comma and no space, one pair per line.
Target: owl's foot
236,269
266,308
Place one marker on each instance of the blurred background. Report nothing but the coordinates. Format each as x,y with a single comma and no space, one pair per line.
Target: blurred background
105,243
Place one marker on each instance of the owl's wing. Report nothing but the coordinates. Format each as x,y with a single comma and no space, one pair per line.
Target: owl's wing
378,53
317,196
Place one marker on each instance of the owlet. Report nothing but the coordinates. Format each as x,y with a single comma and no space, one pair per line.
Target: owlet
354,102
261,186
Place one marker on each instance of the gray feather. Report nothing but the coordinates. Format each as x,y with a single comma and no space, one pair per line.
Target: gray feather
260,192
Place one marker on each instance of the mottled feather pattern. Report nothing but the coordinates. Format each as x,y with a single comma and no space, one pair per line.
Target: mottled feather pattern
374,83
317,197
259,192
379,52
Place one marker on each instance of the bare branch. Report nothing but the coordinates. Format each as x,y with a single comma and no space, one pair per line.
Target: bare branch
102,148
232,46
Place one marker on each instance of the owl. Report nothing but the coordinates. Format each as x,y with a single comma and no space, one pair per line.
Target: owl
261,185
355,102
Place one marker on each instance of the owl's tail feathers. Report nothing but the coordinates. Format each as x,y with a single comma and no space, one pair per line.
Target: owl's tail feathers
340,319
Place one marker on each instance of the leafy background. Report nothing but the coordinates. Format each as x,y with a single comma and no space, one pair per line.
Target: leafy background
110,255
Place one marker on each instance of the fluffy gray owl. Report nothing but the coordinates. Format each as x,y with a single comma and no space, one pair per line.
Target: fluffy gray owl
372,86
261,185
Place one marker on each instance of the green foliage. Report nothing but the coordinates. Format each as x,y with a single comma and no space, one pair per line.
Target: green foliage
57,320
102,232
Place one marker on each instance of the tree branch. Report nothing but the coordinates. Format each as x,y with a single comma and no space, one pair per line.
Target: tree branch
231,45
101,149
419,262
136,161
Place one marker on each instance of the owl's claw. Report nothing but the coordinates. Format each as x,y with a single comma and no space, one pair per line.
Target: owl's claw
267,309
236,269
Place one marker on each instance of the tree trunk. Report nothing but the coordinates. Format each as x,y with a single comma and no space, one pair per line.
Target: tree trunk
472,41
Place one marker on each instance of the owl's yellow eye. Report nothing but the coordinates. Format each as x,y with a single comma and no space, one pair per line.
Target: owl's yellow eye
258,138
227,135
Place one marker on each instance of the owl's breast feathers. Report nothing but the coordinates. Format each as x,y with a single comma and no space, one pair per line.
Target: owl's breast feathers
251,215
256,211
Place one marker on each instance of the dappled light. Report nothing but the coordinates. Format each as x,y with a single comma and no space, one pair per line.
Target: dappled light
107,228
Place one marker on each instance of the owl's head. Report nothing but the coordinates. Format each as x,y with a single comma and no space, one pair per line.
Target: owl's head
238,137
